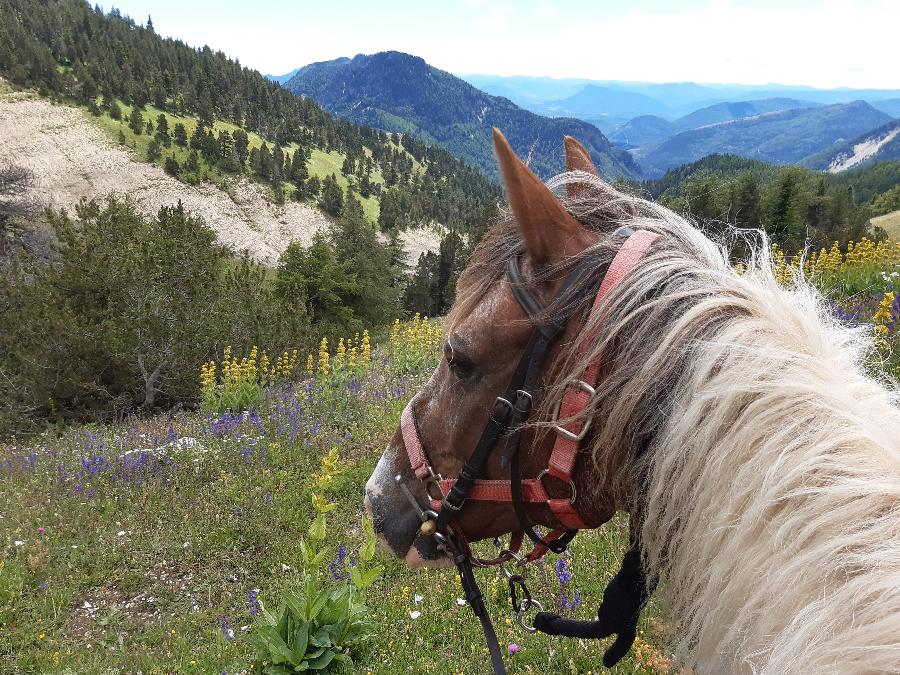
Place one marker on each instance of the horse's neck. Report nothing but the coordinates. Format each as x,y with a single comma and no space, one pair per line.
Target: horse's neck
772,513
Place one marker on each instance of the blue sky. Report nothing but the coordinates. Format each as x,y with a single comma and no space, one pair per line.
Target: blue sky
826,43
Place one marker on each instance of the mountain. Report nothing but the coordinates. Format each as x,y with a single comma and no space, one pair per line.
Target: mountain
650,129
234,127
399,92
891,106
881,144
782,137
643,130
281,79
726,112
595,101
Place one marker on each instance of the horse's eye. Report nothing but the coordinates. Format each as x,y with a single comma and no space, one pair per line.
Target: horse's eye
456,361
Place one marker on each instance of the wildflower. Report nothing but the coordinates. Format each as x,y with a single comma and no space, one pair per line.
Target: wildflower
43,585
418,598
562,572
227,629
323,357
513,648
415,614
252,603
461,602
41,530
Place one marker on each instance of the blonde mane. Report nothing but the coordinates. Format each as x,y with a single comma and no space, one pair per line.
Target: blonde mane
735,418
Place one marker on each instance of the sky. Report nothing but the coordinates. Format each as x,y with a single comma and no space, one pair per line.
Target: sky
821,43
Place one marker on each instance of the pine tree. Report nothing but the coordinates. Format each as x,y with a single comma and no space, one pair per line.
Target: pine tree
136,122
332,200
180,134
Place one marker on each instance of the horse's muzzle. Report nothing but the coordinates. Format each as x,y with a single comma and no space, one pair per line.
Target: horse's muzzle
394,520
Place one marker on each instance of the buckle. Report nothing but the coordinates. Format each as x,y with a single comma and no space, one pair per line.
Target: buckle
562,431
507,405
433,479
574,493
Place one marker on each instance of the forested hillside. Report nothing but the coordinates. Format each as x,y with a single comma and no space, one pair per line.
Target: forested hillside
124,71
795,205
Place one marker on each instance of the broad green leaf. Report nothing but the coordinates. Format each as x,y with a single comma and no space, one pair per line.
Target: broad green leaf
278,649
322,661
317,529
300,641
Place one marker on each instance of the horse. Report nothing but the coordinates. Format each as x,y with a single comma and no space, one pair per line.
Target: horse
733,419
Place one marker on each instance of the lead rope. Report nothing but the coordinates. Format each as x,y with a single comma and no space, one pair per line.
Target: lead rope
474,597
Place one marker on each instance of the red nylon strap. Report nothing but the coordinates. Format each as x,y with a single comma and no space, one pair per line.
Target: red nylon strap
575,400
414,449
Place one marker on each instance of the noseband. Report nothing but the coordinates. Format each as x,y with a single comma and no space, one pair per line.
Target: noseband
509,412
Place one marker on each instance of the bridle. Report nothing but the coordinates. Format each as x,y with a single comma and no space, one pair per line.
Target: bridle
508,414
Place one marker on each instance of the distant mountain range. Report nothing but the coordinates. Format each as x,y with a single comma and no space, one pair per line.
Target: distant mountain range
782,137
399,92
660,125
543,95
650,129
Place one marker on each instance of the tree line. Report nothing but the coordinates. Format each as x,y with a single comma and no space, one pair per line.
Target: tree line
123,309
798,207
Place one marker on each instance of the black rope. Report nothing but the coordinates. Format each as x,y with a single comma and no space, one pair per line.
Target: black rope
618,614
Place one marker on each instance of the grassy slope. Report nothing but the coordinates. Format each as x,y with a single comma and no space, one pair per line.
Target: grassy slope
890,223
321,164
163,561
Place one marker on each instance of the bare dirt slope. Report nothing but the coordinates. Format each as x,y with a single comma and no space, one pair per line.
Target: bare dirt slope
71,158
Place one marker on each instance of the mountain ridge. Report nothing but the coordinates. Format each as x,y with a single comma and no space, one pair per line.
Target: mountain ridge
402,93
783,137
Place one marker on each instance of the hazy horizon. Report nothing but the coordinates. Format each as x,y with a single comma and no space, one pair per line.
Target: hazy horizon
794,43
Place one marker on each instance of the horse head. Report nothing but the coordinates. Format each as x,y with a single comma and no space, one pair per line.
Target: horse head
487,332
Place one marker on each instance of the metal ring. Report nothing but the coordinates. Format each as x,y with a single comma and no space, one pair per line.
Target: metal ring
562,431
527,604
510,555
574,495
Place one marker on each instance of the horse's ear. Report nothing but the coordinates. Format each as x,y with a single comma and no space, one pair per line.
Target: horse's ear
577,159
550,232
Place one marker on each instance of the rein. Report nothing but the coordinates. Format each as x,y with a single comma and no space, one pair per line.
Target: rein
508,414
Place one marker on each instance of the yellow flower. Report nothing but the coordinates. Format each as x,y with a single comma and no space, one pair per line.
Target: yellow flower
323,357
309,364
339,356
366,351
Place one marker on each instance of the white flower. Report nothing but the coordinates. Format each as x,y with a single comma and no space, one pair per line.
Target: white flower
461,602
121,533
19,542
417,598
415,615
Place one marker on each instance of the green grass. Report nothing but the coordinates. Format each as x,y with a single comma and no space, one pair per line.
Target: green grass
890,223
161,561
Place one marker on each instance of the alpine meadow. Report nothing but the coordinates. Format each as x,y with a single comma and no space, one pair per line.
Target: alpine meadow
324,370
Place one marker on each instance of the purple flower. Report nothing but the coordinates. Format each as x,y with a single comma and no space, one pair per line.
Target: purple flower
336,566
252,604
227,629
513,648
562,572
